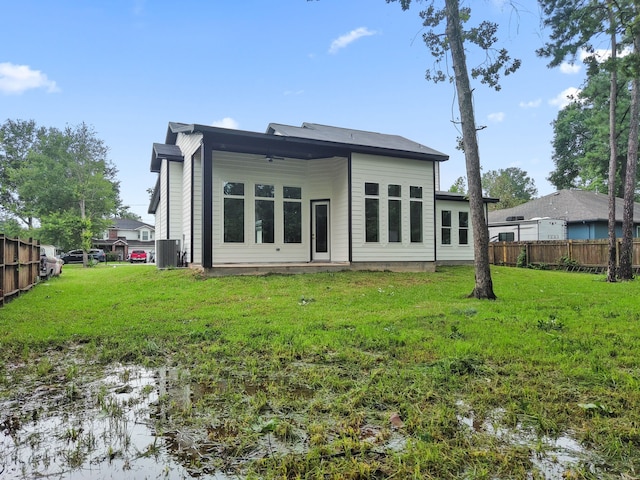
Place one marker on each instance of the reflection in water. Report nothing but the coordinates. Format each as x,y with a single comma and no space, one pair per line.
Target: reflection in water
101,429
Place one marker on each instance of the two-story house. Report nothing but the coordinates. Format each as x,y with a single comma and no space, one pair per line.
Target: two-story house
125,235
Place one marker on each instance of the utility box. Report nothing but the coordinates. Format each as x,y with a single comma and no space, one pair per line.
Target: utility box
167,253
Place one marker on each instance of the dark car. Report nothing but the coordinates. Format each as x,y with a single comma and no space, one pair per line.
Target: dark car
75,256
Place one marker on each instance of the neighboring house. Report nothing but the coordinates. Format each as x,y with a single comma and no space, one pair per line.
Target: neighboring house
125,235
303,198
586,213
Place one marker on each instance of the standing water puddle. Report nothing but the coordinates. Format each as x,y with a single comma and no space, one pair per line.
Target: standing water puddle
101,429
553,457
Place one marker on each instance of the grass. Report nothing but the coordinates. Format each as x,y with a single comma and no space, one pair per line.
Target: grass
319,363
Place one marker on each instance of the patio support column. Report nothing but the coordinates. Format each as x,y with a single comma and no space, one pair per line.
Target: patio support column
207,205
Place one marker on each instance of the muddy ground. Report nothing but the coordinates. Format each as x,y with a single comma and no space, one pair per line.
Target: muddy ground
64,419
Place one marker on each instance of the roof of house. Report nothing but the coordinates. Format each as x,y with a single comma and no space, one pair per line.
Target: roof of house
308,142
128,224
570,205
349,136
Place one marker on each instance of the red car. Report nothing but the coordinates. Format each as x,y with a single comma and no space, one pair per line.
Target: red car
138,256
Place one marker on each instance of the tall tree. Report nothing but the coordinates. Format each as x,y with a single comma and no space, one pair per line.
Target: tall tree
71,185
511,185
613,147
451,44
574,26
626,246
17,139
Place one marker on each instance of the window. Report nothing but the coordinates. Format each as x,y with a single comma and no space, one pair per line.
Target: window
395,213
415,214
264,218
145,235
506,236
233,212
371,212
446,227
292,210
463,228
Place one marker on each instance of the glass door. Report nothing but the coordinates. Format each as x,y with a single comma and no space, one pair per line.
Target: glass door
320,238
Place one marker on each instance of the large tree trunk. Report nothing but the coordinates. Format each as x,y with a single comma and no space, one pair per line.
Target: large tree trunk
613,101
626,248
483,283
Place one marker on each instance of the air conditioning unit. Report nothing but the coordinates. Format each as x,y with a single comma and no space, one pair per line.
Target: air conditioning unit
167,253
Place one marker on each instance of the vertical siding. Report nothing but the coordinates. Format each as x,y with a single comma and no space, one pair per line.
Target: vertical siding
455,251
385,171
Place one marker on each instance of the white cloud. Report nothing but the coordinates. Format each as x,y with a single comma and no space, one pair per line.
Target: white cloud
347,38
531,103
496,117
288,93
603,54
570,68
565,97
226,122
16,79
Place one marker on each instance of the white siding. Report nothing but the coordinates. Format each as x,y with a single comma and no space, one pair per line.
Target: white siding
197,209
161,211
189,145
385,171
175,201
454,252
319,179
328,180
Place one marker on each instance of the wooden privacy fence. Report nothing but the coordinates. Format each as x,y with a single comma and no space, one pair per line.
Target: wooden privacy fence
19,266
578,255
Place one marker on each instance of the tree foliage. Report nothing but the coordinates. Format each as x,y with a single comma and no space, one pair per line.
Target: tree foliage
575,24
581,138
70,186
511,185
459,186
17,139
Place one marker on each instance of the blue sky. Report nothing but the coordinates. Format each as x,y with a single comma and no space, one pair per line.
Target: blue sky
128,67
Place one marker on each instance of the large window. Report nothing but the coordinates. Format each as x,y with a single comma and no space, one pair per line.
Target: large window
395,213
292,210
233,212
372,212
463,228
415,214
264,218
446,227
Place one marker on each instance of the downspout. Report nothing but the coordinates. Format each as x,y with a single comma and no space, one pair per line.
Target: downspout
435,216
350,210
207,205
192,196
168,220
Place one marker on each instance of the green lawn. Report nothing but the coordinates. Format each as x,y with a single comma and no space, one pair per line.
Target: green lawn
321,362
